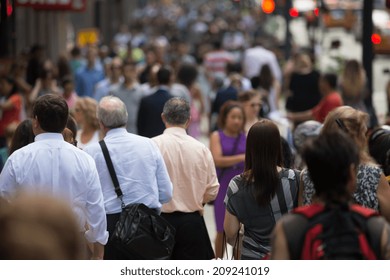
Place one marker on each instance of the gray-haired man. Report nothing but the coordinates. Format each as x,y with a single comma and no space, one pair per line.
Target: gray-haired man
138,163
192,172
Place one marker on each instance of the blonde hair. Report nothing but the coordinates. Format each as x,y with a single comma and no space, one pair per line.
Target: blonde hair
354,123
353,80
88,108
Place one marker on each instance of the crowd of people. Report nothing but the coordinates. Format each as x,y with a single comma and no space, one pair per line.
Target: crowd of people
148,96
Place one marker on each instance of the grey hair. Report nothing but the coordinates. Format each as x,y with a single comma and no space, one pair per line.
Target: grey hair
112,112
176,111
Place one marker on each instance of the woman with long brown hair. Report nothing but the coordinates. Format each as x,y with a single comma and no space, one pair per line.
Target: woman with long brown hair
259,196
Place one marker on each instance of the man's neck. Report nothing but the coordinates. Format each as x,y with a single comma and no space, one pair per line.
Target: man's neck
167,125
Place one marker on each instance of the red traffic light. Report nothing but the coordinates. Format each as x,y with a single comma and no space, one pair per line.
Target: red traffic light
376,39
268,6
294,12
10,9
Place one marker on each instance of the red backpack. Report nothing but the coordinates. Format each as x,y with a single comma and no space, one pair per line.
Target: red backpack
333,233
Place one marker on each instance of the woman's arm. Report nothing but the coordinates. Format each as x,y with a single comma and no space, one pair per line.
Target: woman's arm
35,90
220,160
231,226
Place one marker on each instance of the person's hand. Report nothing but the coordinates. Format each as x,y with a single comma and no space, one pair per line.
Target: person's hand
290,116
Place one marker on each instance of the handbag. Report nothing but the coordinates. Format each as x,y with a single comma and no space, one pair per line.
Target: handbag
140,233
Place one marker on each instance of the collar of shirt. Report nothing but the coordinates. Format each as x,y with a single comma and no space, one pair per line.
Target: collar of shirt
49,136
175,130
115,132
163,87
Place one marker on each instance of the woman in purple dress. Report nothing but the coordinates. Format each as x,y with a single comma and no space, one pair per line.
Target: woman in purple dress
228,148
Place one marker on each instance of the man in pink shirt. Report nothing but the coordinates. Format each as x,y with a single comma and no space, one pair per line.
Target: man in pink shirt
192,172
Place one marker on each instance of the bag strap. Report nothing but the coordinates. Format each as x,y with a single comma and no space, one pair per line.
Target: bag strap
111,169
281,200
236,245
297,181
280,205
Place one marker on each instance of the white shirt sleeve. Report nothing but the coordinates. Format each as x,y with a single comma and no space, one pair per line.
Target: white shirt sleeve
96,214
7,180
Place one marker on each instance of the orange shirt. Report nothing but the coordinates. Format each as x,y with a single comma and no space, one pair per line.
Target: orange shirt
11,115
327,104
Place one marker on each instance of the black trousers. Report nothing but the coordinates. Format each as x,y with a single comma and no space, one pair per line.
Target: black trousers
192,241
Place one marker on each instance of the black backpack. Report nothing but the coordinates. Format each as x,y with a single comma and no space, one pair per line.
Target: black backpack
337,232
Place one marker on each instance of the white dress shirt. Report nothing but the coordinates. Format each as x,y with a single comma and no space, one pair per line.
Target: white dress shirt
139,166
52,166
255,58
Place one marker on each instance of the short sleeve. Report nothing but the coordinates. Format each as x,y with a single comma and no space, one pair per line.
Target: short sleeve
232,190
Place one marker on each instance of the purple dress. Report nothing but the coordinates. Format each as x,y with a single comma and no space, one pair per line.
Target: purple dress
227,144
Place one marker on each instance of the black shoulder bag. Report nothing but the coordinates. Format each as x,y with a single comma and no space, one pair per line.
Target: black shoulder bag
140,232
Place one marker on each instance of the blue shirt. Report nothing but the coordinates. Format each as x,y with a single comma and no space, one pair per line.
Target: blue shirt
54,167
139,166
87,78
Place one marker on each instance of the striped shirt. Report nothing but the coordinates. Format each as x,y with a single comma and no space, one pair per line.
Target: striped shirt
259,221
215,62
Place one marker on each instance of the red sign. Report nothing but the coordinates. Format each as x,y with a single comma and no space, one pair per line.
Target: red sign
63,5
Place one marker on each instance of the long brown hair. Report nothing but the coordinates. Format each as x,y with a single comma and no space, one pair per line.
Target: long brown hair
263,155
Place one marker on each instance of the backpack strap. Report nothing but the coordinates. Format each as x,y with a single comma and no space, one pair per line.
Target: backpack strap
295,226
372,225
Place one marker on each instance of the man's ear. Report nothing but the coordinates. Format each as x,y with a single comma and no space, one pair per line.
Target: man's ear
35,126
163,118
35,122
103,128
188,123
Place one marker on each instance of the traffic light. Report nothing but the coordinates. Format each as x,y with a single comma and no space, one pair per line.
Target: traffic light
268,6
6,8
10,9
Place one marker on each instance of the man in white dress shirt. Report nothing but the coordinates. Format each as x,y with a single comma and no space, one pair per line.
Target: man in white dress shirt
257,56
54,167
138,164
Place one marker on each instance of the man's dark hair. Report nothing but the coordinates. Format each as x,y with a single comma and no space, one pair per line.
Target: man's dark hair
329,158
187,74
66,80
51,112
330,79
176,111
164,76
